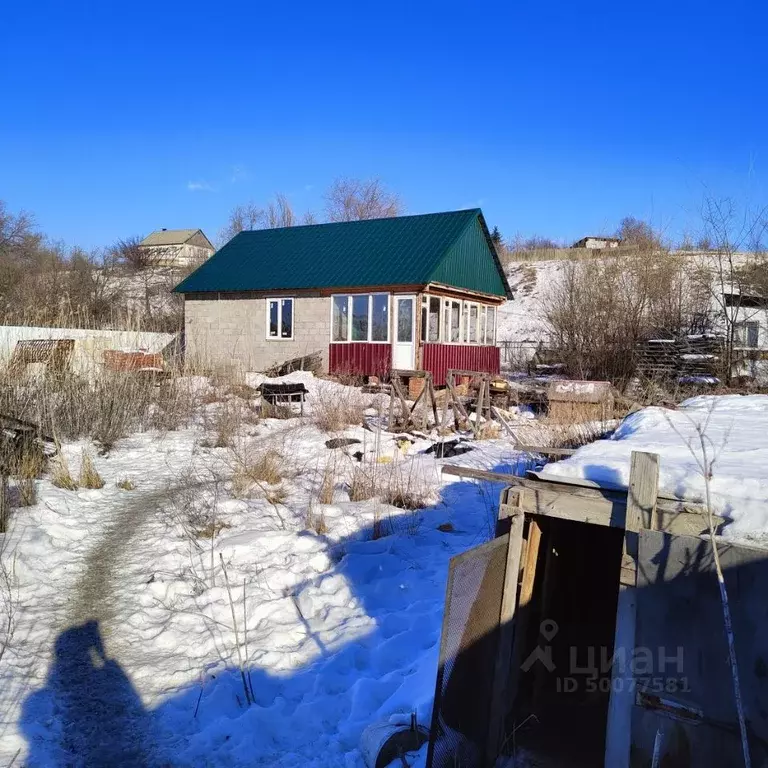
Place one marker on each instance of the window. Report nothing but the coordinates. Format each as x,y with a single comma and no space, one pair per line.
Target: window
430,318
481,331
360,317
490,326
473,312
455,325
340,323
747,334
380,317
280,318
405,319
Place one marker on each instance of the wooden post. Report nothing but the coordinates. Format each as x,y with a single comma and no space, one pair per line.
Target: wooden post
479,407
641,513
499,698
433,399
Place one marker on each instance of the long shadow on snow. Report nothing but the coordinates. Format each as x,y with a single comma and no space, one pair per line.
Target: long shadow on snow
89,713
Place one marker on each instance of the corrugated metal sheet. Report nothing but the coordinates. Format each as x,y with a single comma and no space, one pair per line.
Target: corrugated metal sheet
469,263
438,358
360,359
399,251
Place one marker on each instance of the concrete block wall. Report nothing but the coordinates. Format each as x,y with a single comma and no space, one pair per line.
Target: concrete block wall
226,331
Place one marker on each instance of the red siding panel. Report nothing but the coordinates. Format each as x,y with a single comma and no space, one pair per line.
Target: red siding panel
438,358
360,359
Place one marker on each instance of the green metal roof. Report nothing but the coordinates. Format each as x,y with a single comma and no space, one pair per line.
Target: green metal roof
452,248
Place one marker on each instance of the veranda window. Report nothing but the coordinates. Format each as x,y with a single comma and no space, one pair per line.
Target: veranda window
430,319
490,326
360,317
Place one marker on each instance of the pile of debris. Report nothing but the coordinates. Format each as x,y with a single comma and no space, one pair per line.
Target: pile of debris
686,358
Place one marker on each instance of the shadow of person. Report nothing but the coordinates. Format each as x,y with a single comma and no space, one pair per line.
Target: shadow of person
89,713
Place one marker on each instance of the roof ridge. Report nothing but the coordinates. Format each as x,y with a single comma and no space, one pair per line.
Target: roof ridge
359,221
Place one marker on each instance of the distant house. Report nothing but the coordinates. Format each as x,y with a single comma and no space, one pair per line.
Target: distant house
597,242
410,292
176,247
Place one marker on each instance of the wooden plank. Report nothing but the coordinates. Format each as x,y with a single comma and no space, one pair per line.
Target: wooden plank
547,451
530,563
495,412
499,697
641,506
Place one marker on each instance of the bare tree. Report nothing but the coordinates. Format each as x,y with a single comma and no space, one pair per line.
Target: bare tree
128,252
601,308
355,200
278,213
638,233
733,267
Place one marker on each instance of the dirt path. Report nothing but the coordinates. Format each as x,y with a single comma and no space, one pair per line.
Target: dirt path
103,719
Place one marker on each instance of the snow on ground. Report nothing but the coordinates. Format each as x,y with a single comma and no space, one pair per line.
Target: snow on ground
124,650
521,319
736,435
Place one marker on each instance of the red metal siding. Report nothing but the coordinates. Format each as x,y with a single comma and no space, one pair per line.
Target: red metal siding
360,359
438,358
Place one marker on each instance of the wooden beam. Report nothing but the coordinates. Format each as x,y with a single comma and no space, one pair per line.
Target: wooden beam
641,508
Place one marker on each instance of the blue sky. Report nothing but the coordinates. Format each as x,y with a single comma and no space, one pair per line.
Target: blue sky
557,118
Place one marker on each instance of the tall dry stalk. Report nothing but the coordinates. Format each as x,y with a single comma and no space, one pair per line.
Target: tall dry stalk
705,464
234,628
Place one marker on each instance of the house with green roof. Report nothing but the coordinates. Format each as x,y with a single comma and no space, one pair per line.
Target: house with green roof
408,292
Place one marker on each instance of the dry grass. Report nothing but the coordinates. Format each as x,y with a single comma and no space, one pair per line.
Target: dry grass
60,474
126,484
328,483
89,476
103,407
260,467
361,486
336,409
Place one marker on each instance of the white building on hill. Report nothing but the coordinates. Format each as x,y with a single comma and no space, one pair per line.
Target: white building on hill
177,247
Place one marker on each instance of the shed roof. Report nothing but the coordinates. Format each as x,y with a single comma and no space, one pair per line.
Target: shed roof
451,248
170,236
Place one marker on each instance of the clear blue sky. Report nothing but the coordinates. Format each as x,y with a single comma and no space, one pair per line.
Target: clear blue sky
557,118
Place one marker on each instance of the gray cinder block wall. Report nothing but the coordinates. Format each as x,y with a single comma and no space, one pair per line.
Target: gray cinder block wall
233,331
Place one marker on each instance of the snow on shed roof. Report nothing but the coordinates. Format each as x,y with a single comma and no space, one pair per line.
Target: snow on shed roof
735,427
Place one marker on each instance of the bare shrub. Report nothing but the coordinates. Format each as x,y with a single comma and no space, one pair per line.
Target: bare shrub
602,308
60,474
89,476
226,423
336,410
361,485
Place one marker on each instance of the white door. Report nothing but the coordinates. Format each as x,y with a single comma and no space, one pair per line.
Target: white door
404,344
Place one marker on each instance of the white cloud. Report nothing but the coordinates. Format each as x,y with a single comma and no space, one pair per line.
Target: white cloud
199,186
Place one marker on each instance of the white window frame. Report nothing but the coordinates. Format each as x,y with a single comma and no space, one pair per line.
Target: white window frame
280,300
490,330
369,340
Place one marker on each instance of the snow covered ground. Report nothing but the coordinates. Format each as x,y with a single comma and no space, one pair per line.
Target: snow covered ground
736,439
124,649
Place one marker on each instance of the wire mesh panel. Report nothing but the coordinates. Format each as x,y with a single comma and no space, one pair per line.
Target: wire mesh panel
468,647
